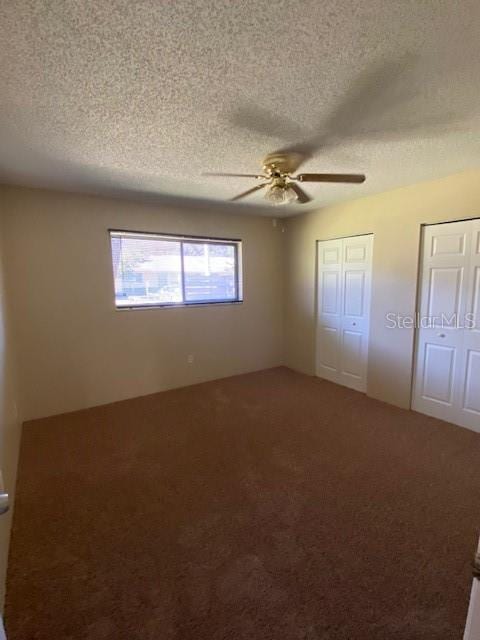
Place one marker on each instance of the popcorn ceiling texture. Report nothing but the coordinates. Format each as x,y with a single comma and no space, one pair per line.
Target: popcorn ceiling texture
140,97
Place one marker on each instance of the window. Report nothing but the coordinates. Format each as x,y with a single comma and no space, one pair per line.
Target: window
153,270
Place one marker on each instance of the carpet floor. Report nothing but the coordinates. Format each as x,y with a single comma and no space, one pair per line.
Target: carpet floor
265,506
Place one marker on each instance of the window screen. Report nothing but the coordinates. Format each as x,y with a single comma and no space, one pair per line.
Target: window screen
157,270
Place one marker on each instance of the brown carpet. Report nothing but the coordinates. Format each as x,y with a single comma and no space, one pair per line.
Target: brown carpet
265,506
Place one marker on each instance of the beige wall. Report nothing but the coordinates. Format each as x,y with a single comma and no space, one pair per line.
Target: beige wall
75,350
9,419
395,219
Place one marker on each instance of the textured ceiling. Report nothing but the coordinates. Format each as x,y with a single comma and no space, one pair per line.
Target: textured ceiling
139,97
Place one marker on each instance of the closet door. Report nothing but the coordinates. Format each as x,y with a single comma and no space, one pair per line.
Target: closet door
329,314
470,391
343,310
447,371
439,361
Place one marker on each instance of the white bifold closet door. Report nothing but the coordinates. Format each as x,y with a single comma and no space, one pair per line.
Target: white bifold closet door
447,371
344,274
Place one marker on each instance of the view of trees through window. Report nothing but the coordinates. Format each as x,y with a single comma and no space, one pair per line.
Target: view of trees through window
152,270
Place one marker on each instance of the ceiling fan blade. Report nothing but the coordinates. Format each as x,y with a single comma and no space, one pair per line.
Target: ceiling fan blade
236,175
247,193
258,120
381,101
354,178
303,197
297,153
261,121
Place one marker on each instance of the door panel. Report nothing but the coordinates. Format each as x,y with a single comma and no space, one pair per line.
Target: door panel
352,354
472,335
475,304
476,242
328,357
344,277
471,399
438,373
355,252
330,292
448,244
445,291
331,255
354,293
447,370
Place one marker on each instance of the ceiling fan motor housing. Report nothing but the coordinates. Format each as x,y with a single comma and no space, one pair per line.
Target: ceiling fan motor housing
280,163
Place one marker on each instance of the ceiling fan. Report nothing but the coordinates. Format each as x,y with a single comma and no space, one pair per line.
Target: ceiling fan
281,186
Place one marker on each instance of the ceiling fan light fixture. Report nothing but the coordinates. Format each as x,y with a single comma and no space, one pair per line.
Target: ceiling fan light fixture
277,194
290,195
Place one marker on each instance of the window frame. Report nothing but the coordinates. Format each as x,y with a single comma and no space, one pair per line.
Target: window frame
236,243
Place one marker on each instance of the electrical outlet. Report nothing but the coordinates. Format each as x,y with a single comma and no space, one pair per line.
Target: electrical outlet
190,358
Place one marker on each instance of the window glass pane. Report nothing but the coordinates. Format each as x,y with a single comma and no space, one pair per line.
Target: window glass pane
209,271
152,270
146,271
